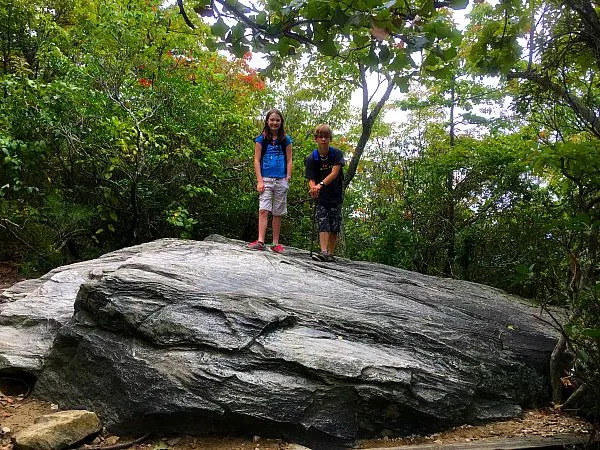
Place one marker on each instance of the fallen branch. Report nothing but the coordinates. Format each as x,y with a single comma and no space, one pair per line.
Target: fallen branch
574,397
116,446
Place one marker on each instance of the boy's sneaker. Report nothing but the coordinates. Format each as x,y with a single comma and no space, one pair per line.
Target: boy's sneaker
256,245
320,256
277,248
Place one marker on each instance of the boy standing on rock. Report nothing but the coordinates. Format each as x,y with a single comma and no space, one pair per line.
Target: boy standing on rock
325,180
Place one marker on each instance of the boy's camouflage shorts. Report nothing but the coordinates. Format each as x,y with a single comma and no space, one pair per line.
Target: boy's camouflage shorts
329,218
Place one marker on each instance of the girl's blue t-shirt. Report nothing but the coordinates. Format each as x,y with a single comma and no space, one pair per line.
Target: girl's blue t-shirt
273,163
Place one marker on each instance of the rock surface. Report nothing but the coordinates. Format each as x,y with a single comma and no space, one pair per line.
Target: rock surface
32,311
193,337
57,431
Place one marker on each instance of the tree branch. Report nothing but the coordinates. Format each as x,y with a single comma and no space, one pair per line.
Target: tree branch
240,16
184,15
580,109
367,123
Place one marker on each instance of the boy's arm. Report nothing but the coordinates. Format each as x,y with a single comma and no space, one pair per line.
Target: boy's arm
335,171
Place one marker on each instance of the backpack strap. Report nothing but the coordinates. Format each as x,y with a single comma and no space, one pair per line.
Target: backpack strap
330,155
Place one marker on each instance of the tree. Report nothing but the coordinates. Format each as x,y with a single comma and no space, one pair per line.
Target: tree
133,138
556,86
366,38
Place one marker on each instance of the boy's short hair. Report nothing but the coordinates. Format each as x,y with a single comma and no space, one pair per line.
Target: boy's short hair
323,130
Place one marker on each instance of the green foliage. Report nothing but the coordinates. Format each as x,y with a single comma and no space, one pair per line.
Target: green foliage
329,27
137,129
557,90
491,39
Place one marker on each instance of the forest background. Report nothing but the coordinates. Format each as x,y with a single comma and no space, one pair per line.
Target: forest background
123,121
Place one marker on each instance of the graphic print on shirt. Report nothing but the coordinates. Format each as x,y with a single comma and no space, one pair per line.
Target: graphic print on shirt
326,167
273,164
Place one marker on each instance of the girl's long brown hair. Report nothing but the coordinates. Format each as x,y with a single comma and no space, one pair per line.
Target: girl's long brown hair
280,134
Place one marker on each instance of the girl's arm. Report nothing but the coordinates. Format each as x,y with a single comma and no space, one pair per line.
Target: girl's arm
260,185
288,158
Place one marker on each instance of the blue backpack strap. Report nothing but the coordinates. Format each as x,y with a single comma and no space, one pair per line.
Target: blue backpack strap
330,155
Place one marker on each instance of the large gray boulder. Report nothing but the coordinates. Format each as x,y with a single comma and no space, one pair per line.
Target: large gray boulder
32,311
196,337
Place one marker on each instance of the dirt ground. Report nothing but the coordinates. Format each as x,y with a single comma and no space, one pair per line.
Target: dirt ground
19,411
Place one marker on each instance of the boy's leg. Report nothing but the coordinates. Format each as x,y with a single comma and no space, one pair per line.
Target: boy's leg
331,243
322,219
323,227
335,221
324,237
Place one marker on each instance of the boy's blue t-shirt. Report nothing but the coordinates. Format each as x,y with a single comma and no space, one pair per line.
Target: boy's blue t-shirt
273,163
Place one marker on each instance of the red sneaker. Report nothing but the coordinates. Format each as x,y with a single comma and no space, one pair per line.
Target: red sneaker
277,248
256,245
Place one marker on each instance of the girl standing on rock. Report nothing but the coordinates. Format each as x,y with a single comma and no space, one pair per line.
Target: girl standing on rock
273,169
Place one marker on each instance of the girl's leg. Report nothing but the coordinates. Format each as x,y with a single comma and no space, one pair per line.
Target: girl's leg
263,217
265,205
276,224
280,191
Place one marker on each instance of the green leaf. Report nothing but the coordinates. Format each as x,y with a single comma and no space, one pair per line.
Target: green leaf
384,54
261,18
219,28
449,53
442,73
591,332
283,47
238,31
400,62
239,49
431,60
418,43
339,18
403,84
360,40
371,60
328,47
459,4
